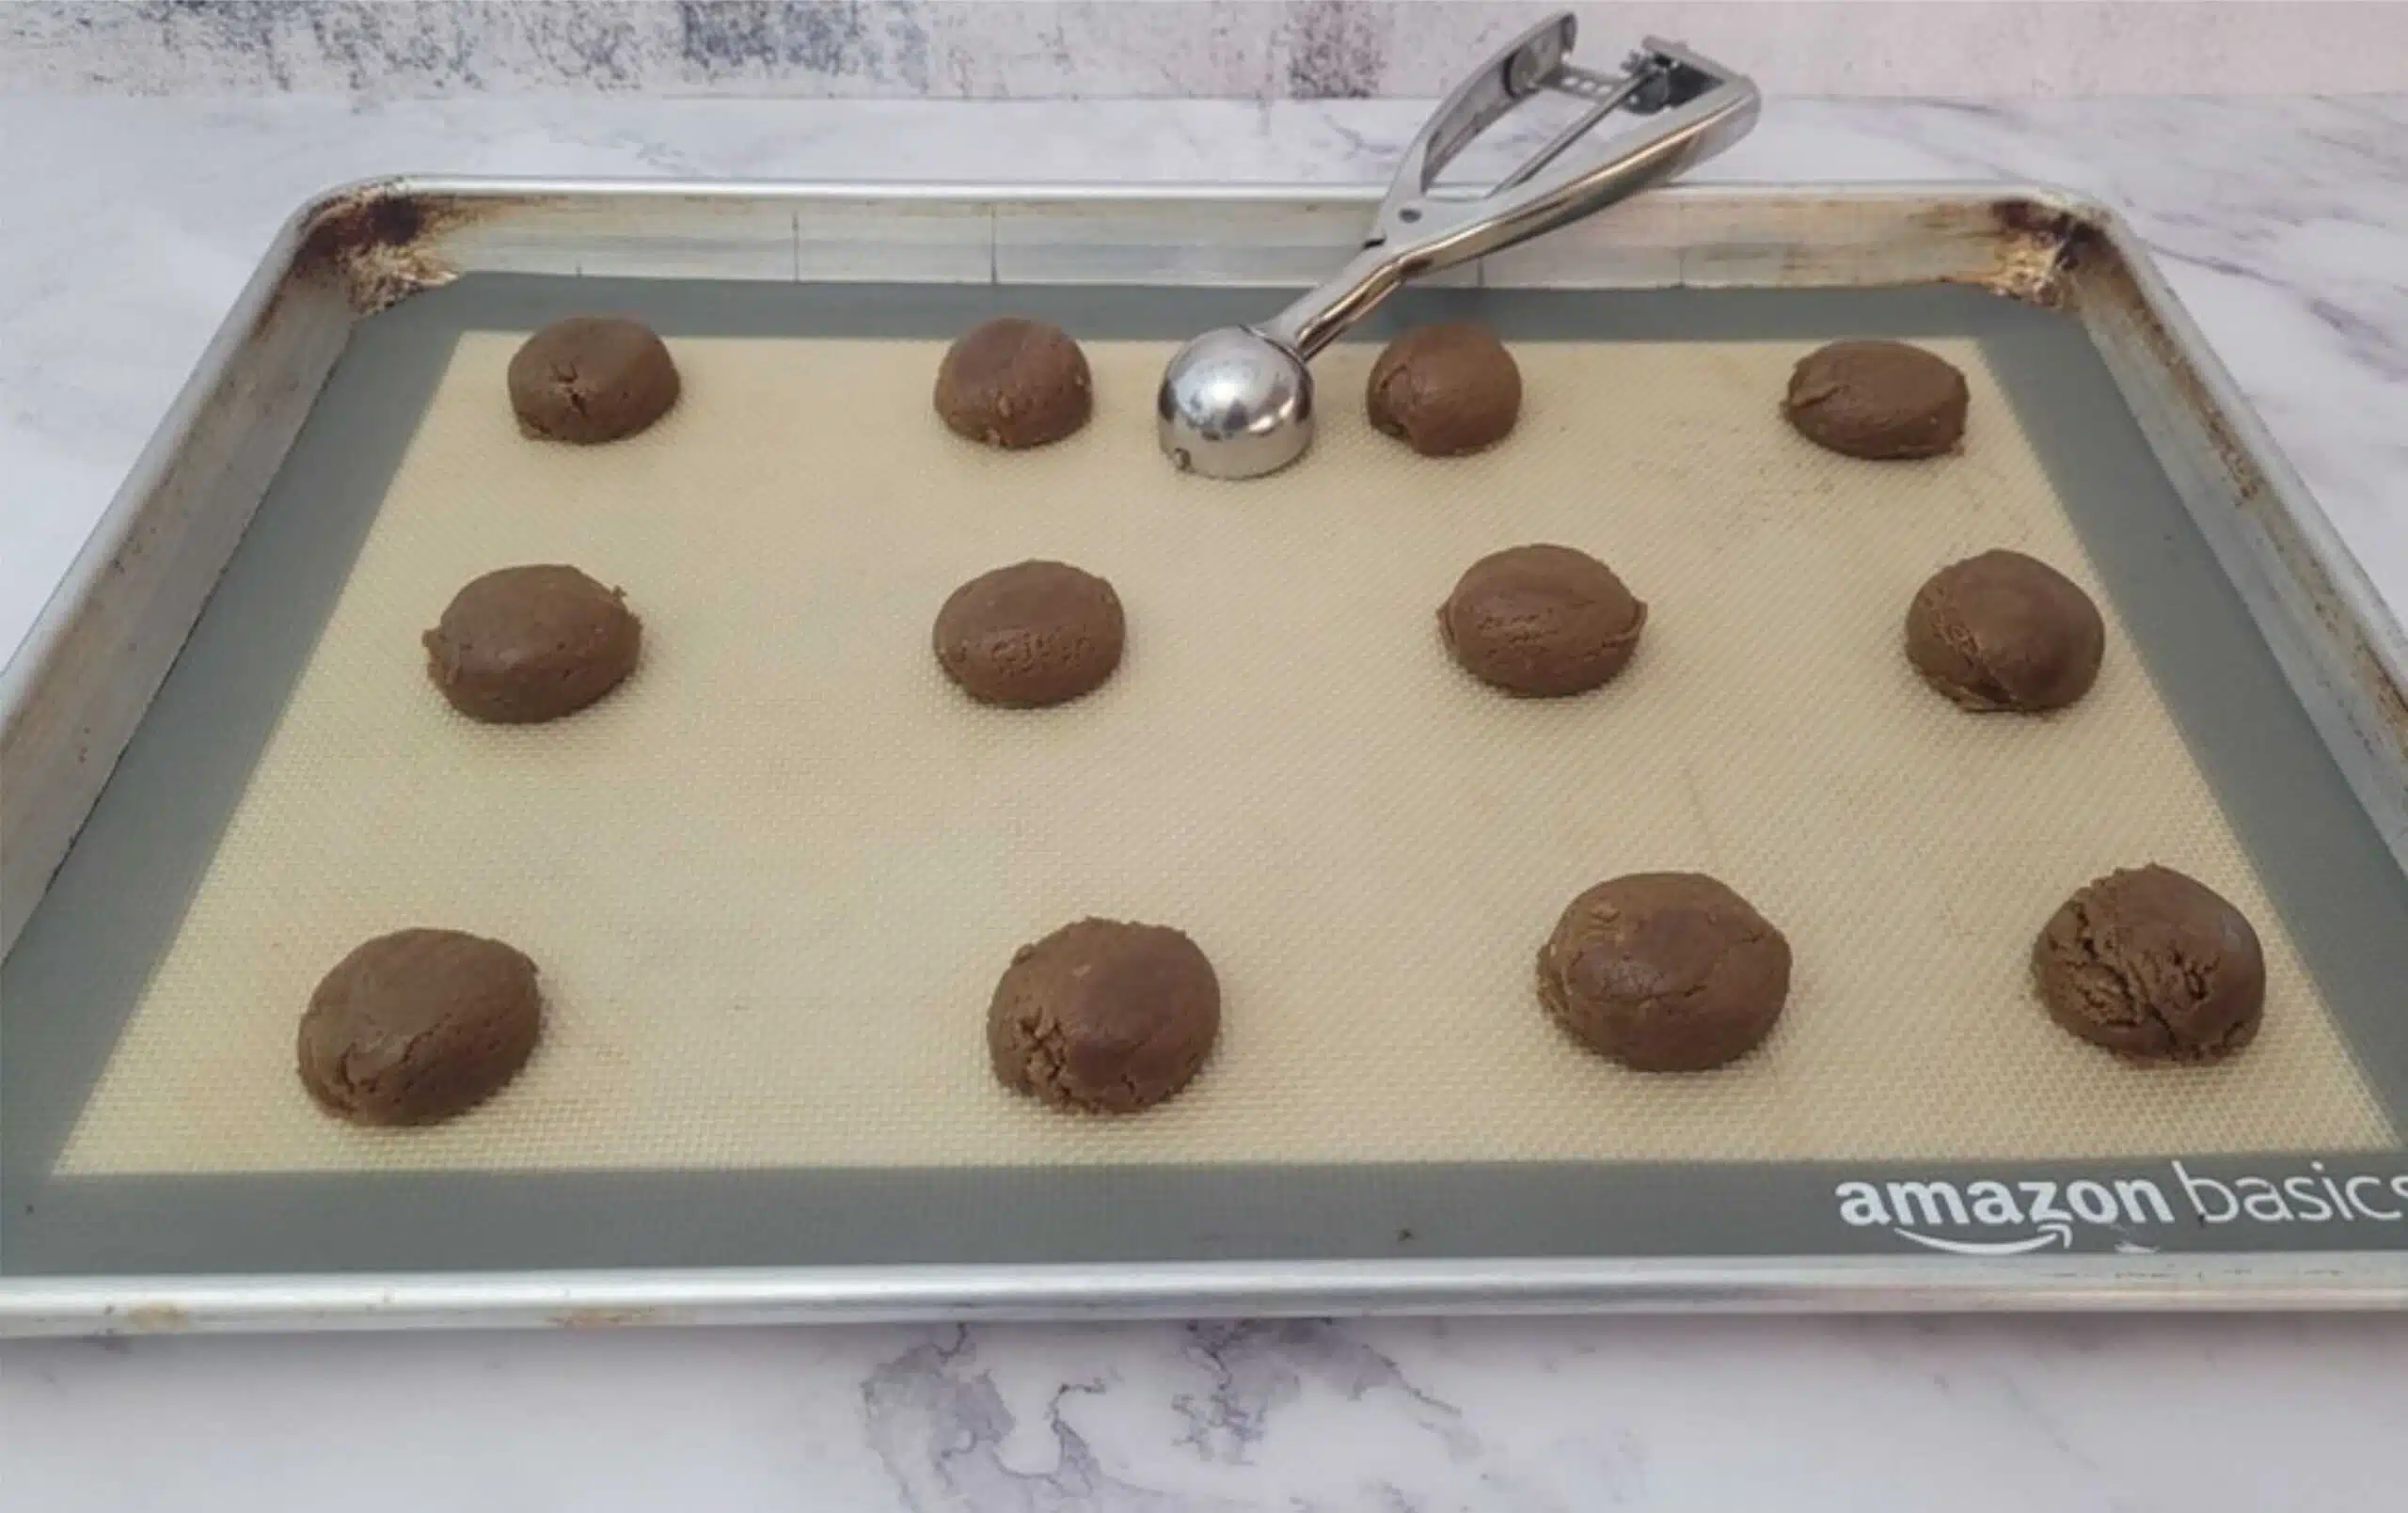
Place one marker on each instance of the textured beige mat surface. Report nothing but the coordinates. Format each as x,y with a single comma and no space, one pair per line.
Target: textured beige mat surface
771,881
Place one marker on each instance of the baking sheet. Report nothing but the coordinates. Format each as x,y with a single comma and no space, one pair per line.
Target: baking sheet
771,881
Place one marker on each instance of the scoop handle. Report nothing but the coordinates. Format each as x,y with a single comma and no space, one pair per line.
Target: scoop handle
1704,107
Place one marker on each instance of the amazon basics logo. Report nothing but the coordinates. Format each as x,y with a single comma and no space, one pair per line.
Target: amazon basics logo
2002,1217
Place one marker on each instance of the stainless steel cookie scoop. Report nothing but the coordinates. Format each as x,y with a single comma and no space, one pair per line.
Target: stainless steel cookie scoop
1238,402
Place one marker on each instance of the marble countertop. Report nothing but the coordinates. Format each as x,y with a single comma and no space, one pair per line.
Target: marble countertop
2282,224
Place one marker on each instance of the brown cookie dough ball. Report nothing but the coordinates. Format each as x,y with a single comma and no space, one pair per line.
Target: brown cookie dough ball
1665,971
1446,390
1104,1016
525,644
1879,400
1541,621
1014,383
417,1026
1030,635
2153,965
2002,631
591,378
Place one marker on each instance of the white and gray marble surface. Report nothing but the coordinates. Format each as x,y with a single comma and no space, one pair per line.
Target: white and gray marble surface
130,224
1169,49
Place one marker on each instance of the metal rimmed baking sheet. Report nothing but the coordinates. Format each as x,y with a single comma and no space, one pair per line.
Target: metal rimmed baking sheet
1413,908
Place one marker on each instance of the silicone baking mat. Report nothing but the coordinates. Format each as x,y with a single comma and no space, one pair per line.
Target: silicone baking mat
770,882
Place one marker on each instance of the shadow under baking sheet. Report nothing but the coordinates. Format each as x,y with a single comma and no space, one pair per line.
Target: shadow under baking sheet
70,985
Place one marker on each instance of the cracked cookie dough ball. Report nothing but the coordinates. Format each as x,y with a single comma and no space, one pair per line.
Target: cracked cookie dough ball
1667,971
527,644
1541,621
1014,383
1878,400
2002,631
591,379
2153,965
1446,390
417,1026
1030,635
1104,1016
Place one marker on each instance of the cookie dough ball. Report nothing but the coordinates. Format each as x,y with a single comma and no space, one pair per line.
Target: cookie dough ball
417,1026
1030,635
1014,383
1104,1016
1541,621
1665,971
590,379
1879,400
2002,631
527,644
1446,390
2154,965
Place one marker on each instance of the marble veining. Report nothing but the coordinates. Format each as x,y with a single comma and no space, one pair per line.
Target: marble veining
1663,1415
2283,224
1260,49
